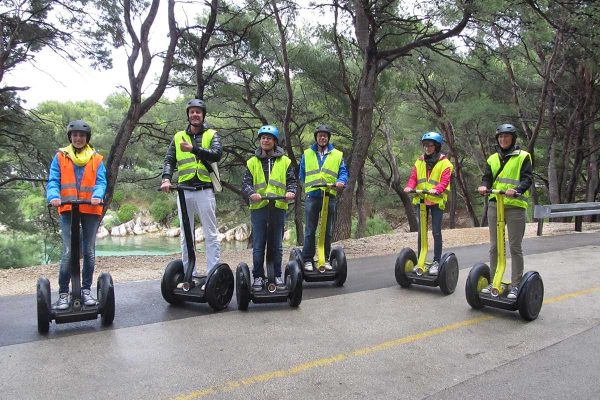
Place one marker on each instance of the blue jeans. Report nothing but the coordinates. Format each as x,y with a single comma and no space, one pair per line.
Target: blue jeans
268,224
312,207
89,228
436,229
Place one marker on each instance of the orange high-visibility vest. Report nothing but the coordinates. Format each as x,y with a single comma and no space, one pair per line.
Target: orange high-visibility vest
68,184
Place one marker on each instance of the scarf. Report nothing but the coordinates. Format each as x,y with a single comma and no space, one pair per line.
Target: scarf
431,160
79,157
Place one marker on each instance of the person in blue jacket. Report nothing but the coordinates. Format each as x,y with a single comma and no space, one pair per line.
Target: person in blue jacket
321,163
77,173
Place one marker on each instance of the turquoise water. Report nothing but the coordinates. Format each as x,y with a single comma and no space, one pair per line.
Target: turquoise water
149,246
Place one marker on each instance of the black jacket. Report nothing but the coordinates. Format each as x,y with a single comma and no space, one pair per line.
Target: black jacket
213,154
291,183
525,180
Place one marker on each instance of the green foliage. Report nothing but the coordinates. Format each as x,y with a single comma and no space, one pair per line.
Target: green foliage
126,212
161,209
118,196
25,250
376,225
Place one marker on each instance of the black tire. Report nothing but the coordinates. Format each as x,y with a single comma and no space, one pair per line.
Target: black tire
172,276
219,288
294,283
242,286
340,265
448,273
479,277
531,296
406,261
43,305
106,298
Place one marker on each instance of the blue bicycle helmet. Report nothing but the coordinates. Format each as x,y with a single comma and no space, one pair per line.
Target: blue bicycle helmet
436,137
270,130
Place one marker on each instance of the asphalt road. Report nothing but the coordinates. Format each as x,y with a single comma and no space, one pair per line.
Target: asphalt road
369,339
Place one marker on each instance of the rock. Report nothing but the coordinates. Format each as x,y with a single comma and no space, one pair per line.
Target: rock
173,232
242,232
199,235
102,233
286,235
152,228
138,230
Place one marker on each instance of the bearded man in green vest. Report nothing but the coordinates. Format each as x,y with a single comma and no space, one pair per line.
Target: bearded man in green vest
509,169
321,163
268,172
192,151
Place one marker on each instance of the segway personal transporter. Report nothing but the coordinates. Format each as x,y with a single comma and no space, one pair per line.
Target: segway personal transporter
531,289
269,293
337,257
77,311
407,274
178,287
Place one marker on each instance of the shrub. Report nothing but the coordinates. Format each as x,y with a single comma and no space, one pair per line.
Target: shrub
160,210
126,212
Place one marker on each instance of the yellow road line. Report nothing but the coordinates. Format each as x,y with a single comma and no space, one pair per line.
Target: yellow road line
299,368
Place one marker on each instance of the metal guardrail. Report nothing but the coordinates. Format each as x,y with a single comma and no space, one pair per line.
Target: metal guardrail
577,210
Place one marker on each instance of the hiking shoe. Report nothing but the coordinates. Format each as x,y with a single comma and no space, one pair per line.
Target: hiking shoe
86,298
308,266
487,289
328,266
63,302
514,292
280,284
258,284
434,268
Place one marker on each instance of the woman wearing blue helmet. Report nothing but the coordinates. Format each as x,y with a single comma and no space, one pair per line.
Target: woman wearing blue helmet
268,172
432,172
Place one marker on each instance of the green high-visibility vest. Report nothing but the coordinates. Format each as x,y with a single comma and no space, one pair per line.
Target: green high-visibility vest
327,174
277,181
434,179
510,176
187,164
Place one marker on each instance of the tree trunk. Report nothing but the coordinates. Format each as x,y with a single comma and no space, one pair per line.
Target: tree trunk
360,206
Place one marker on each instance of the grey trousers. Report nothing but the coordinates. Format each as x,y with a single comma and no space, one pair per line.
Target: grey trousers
515,219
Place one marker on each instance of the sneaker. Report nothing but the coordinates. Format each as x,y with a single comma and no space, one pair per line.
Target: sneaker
63,302
280,284
308,266
514,292
487,289
86,298
198,281
328,266
258,284
434,268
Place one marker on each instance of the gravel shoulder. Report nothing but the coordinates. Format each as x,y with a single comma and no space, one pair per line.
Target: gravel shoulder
16,281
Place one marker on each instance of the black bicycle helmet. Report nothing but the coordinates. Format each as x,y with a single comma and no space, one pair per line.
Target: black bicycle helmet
80,126
322,128
507,128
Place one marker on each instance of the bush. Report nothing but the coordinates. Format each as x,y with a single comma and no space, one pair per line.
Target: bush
160,210
375,226
126,212
118,196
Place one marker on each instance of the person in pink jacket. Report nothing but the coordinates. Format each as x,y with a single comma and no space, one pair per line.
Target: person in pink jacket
432,172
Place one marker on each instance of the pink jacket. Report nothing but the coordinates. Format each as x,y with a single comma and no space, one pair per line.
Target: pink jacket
444,181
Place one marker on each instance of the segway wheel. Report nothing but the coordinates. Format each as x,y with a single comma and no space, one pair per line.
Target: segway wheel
296,255
448,273
172,276
219,288
242,286
479,278
106,298
339,264
531,297
294,283
43,305
406,261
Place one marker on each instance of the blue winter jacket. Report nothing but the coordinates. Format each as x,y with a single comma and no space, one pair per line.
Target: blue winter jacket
342,173
53,187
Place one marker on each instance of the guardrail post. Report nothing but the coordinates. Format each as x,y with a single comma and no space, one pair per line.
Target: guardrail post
540,226
578,223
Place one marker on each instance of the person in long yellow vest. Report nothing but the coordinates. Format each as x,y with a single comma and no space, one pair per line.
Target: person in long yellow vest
432,172
77,172
321,163
192,151
268,172
508,169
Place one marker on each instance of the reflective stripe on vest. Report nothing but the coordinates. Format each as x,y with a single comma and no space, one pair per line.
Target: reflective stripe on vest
277,180
68,184
510,176
327,174
187,164
434,179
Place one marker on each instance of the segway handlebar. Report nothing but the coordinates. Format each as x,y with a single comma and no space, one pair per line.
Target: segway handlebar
176,186
326,185
500,192
75,202
422,191
270,198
